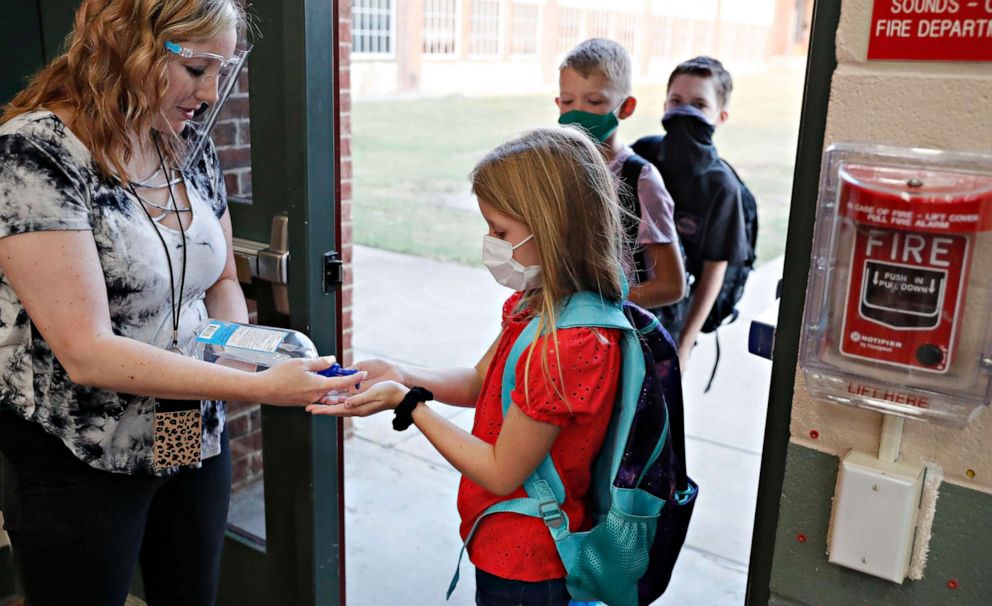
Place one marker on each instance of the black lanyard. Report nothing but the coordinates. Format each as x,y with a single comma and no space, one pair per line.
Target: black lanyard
182,276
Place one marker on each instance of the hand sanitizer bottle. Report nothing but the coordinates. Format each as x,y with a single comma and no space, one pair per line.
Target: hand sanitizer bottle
253,348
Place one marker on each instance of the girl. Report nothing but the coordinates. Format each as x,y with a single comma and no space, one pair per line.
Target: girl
550,202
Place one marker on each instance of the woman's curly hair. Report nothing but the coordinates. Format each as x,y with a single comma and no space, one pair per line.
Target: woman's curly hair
113,73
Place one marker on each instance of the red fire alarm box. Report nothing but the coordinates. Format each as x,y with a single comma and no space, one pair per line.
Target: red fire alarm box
897,314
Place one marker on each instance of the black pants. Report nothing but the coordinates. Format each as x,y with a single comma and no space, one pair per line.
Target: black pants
77,532
491,590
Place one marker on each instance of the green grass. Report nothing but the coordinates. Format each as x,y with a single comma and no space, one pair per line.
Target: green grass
412,159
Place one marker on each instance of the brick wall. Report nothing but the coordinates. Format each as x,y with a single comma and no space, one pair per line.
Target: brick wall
345,172
244,429
232,136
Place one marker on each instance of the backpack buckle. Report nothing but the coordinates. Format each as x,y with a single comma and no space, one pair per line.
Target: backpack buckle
551,513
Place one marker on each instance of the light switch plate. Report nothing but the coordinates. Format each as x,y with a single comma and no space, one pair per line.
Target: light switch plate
874,517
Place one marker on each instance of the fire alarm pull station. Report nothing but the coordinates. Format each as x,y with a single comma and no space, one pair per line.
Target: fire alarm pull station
899,300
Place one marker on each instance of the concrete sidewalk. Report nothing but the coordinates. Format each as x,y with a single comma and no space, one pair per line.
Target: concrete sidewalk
401,524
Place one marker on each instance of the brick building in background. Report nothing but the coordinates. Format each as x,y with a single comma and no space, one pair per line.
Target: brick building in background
432,47
486,47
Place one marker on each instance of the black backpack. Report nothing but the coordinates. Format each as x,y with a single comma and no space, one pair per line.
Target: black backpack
736,275
724,310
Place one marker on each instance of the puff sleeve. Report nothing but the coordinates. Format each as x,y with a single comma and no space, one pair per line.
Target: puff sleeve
578,378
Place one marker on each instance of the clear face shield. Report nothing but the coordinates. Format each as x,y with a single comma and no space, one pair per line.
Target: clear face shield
215,67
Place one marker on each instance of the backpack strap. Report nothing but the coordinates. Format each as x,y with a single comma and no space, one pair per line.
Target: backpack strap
649,148
582,309
543,506
630,175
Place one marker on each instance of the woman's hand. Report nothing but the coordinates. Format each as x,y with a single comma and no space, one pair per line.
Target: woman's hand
296,383
379,371
385,395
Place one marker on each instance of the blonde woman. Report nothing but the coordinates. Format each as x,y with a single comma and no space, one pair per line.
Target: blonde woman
554,226
109,257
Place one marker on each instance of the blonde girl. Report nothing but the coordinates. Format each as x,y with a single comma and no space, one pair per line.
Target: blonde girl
109,257
550,203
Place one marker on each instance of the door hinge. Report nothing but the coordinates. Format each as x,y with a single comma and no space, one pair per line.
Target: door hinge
333,271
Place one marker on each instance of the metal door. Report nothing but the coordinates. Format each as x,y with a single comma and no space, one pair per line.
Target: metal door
297,557
293,106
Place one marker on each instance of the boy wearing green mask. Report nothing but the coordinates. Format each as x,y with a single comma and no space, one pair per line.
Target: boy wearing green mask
594,94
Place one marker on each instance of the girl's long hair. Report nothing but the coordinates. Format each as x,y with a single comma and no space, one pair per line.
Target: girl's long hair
113,73
556,181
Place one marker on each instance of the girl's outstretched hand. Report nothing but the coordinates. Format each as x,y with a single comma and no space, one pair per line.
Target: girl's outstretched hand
385,395
379,371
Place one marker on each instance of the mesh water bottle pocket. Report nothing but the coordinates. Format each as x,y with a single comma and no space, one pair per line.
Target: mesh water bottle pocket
612,558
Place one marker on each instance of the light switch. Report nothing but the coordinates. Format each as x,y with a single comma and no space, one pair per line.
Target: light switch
874,516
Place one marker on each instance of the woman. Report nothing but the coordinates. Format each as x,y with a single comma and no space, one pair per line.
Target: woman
109,258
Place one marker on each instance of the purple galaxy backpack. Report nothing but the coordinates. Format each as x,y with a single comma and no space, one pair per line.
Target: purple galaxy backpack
666,477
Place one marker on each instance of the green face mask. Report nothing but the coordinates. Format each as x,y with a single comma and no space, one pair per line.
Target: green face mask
599,126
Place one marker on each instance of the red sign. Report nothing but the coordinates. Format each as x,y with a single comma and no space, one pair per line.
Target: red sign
931,30
903,297
911,232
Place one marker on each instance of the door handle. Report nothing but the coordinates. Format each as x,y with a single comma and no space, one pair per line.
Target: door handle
268,262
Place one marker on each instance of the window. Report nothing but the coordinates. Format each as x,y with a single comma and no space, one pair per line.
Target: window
703,37
661,37
626,31
373,27
523,34
598,24
682,39
485,27
569,29
440,27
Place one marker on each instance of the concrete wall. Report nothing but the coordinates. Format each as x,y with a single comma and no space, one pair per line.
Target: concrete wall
937,105
957,563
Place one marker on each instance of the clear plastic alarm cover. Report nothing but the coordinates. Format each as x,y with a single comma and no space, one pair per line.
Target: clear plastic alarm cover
899,298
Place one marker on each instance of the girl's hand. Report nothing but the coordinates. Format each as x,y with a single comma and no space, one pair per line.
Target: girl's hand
379,371
385,395
295,382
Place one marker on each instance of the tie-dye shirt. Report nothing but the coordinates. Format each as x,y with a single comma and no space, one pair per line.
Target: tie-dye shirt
48,183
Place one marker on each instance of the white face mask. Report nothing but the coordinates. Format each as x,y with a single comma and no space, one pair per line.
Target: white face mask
497,255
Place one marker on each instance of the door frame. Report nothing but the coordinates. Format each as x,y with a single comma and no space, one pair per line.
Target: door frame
820,65
294,92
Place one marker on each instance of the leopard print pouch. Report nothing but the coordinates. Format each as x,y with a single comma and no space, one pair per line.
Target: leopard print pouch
178,434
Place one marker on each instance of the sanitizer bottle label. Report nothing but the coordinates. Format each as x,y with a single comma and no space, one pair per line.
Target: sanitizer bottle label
229,334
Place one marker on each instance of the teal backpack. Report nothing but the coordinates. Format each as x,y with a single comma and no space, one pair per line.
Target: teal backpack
640,497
